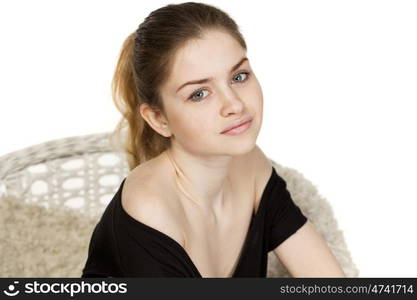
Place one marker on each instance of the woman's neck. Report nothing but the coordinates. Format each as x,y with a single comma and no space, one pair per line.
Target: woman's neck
203,181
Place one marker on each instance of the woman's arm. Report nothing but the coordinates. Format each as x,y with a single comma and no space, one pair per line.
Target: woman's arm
306,254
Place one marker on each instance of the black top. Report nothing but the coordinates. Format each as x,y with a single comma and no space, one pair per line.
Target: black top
121,246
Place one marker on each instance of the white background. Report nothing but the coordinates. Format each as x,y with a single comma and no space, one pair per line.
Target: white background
340,88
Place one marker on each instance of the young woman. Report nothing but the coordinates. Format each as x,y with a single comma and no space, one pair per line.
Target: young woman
201,198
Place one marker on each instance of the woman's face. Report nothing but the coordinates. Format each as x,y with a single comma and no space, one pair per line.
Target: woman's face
197,113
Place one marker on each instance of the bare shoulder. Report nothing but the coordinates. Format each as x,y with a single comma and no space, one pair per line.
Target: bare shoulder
145,201
261,168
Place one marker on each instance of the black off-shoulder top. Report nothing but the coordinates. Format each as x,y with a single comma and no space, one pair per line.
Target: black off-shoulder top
121,246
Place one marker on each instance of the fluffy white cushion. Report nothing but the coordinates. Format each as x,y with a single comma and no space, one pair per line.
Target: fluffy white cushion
40,242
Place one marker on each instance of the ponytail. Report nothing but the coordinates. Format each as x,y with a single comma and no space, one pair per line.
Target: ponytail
132,134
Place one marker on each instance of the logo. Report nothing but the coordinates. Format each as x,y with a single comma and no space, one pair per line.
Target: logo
71,288
11,290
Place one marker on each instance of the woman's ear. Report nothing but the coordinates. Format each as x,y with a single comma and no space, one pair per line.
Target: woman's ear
155,119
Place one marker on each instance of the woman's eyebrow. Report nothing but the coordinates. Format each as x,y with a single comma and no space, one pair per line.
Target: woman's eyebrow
204,80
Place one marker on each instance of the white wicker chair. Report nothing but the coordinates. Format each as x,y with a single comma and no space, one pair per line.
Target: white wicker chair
80,175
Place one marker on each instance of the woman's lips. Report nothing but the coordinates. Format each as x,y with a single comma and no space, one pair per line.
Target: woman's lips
239,128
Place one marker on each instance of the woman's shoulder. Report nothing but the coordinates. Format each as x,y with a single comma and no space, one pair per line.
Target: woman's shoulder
262,169
146,198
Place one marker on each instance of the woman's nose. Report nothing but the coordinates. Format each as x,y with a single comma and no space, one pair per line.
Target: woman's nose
231,102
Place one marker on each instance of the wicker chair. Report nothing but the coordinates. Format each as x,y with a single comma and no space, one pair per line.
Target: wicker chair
52,195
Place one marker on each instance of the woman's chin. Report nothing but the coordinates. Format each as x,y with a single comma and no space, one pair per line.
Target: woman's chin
243,147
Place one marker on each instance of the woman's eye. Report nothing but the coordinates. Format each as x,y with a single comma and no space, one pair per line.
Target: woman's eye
244,73
195,97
